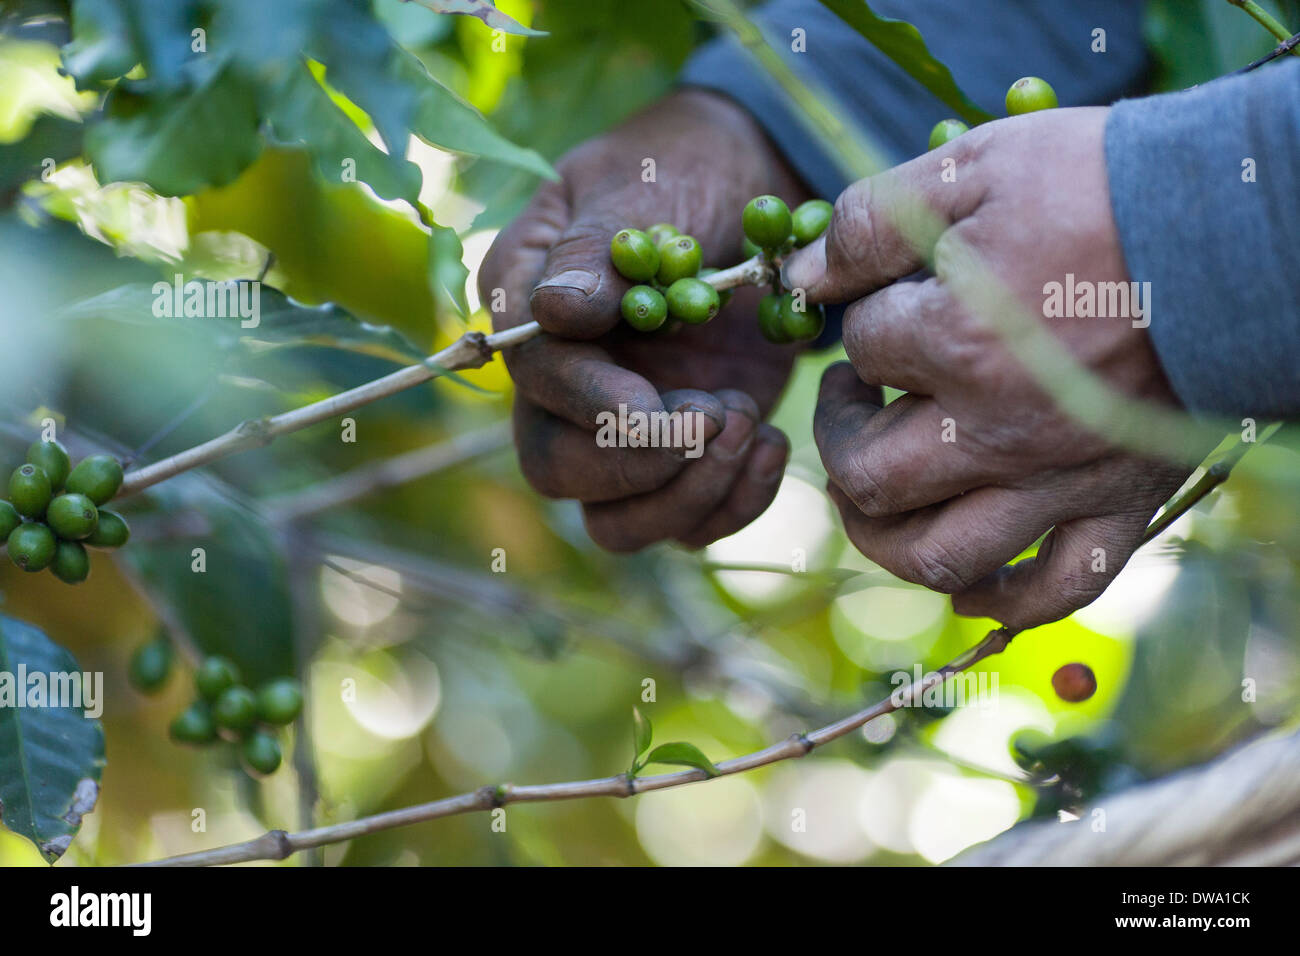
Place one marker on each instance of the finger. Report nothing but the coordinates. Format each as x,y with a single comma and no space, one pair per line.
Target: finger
844,404
581,383
517,258
561,460
895,336
949,547
891,460
580,290
684,503
752,493
885,227
1076,562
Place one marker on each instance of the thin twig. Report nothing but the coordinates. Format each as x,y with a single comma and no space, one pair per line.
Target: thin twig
176,422
277,844
755,271
387,473
1215,474
471,350
1264,19
1282,49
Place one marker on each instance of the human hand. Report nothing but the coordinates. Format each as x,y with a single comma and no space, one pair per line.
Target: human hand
554,267
949,482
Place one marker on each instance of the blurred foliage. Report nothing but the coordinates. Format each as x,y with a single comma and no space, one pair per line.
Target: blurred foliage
230,165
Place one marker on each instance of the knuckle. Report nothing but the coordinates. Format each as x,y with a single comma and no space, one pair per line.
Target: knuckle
934,566
866,491
852,237
971,145
1078,586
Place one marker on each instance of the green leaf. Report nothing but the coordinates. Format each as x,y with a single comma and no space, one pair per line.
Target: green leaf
161,30
447,271
282,322
109,37
684,754
484,10
903,43
301,112
51,757
642,733
101,47
51,137
238,605
178,144
361,62
445,120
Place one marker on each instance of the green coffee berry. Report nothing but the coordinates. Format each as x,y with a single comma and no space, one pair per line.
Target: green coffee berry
97,477
724,295
767,222
9,519
635,255
215,676
29,490
801,324
679,258
945,131
235,709
1030,94
111,531
32,546
194,725
693,301
661,232
749,249
53,459
810,220
261,751
150,666
72,516
279,702
644,308
71,564
769,320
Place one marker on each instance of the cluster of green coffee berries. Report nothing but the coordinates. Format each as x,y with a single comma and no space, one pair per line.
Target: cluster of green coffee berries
1029,94
225,708
54,511
672,283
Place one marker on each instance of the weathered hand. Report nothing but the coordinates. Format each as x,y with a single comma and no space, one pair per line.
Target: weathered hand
956,478
553,266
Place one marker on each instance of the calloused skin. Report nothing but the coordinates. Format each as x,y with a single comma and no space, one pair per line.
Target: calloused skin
1032,201
553,266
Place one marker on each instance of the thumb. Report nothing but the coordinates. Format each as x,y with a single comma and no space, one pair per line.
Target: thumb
1063,577
579,293
885,227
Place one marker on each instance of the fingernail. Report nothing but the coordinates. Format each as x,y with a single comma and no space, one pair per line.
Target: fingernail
735,435
805,268
579,280
769,461
690,408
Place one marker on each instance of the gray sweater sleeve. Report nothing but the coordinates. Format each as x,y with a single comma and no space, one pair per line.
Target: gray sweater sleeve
1205,186
987,44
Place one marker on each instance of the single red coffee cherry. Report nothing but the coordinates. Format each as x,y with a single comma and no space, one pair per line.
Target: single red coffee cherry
1074,682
